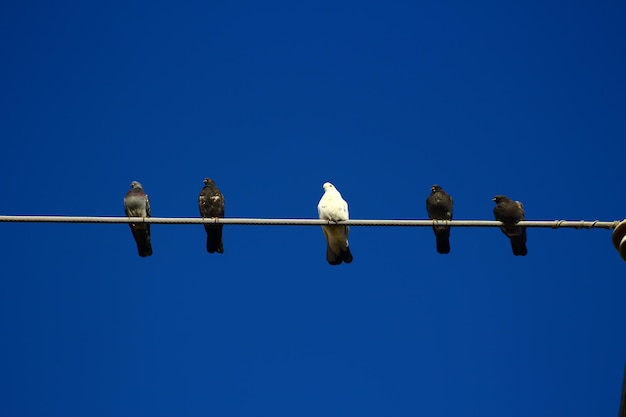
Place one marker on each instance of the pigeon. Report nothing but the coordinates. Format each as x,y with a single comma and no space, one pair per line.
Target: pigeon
211,204
510,212
334,208
137,204
439,206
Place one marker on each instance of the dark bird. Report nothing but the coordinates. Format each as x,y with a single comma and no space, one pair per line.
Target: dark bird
211,203
137,204
439,207
510,212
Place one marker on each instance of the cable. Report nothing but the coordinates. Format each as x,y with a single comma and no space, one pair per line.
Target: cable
554,224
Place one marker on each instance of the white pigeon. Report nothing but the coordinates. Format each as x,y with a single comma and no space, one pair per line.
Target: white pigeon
334,208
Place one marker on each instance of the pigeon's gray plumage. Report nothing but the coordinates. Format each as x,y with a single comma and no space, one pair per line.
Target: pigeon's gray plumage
334,208
137,204
439,206
510,212
211,204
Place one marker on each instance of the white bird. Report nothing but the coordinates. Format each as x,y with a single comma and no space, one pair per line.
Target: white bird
333,207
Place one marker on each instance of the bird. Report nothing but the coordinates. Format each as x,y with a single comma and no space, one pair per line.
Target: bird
332,207
510,212
211,204
439,207
137,204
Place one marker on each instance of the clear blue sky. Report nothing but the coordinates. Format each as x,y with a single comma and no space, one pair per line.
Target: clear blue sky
272,99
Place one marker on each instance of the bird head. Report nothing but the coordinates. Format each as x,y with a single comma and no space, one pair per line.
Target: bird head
435,188
135,184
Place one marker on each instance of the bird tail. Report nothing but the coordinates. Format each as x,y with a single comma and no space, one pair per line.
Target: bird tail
332,257
337,259
214,238
142,238
443,239
518,244
346,255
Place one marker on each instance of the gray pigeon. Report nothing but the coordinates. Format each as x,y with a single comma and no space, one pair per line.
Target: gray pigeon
439,207
137,204
211,204
510,212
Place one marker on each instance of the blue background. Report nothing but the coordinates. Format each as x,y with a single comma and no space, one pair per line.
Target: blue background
272,99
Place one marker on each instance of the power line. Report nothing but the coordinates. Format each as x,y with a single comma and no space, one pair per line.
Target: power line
554,224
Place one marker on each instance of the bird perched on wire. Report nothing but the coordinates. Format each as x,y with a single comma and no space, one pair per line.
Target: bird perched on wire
211,204
137,204
510,212
439,206
333,207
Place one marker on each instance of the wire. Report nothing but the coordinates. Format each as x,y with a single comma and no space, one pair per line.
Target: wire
554,224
